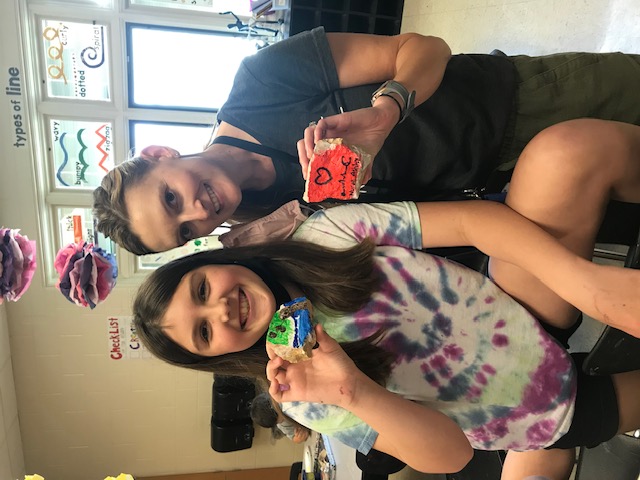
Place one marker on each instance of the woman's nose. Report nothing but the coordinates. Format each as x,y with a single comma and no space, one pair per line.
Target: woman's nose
194,211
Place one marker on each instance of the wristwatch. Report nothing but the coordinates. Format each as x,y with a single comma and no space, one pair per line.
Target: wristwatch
400,94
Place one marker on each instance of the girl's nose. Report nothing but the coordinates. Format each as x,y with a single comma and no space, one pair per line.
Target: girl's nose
219,310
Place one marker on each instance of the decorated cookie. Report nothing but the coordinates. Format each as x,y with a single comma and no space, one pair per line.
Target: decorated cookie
291,332
336,171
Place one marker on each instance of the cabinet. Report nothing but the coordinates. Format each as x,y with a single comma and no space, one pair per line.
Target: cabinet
359,16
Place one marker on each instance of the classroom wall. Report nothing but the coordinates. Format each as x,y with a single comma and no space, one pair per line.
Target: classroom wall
80,414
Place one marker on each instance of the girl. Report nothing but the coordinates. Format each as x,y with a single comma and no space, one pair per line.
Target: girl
473,116
435,359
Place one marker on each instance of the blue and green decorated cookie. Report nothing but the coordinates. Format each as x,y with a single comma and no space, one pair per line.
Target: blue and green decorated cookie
291,332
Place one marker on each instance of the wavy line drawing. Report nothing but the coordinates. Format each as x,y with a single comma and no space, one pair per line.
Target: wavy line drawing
81,155
105,155
64,161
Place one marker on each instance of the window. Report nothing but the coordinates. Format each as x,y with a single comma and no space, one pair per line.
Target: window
174,68
112,76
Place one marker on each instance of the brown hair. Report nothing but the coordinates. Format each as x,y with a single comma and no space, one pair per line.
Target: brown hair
109,206
339,281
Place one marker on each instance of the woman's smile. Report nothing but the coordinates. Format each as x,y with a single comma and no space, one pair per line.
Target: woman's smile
215,200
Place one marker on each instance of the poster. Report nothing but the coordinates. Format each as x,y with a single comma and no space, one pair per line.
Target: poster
76,60
123,342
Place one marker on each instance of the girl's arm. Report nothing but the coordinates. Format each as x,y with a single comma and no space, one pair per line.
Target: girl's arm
602,292
424,439
416,61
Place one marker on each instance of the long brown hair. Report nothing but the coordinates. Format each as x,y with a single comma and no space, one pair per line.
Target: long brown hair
339,281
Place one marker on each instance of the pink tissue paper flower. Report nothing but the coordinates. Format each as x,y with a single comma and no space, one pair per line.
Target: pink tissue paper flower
87,274
17,264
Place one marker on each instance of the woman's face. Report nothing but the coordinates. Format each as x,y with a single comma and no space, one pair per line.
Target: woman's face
219,309
179,200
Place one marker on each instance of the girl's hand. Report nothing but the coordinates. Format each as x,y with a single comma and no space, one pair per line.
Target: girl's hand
300,434
330,376
366,128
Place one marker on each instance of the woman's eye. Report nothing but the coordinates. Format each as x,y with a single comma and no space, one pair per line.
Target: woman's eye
185,232
170,198
204,332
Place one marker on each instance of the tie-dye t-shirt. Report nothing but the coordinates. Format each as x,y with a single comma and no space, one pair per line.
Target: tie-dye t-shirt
463,346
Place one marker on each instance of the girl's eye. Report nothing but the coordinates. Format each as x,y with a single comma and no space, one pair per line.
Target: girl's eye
170,198
204,332
202,291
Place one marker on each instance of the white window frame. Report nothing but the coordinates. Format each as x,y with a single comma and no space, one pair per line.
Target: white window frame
117,112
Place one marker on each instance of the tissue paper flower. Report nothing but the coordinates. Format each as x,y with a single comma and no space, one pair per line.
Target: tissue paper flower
87,273
17,264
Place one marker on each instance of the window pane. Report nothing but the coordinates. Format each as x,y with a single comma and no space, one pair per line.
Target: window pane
183,68
76,224
239,7
81,152
75,59
189,138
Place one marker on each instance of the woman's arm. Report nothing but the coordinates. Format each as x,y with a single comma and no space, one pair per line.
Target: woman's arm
424,439
416,61
603,292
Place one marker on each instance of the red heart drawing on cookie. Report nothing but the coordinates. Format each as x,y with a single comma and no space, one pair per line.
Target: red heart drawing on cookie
323,176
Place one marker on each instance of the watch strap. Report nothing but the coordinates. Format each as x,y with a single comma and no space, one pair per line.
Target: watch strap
398,92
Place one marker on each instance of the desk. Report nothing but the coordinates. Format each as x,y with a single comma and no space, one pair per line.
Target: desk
344,457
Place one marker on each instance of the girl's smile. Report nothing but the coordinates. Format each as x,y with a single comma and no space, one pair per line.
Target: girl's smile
219,309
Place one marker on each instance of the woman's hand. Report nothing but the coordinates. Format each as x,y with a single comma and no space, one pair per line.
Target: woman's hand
367,128
330,376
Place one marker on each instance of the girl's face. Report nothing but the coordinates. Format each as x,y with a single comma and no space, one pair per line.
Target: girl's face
219,309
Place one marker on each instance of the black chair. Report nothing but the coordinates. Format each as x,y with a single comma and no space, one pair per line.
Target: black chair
616,351
618,459
378,465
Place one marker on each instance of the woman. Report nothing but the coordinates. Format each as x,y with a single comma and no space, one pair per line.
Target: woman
464,361
473,116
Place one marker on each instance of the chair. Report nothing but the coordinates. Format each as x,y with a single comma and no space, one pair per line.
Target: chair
618,458
378,465
616,351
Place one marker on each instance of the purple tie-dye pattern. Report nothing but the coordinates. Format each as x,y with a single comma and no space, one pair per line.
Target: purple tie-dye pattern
406,349
549,387
489,369
417,288
395,234
388,290
452,351
549,383
481,379
540,431
500,340
446,292
429,376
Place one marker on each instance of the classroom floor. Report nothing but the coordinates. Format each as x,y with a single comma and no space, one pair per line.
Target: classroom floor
531,27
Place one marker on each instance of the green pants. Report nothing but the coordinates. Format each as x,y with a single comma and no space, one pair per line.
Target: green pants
565,86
